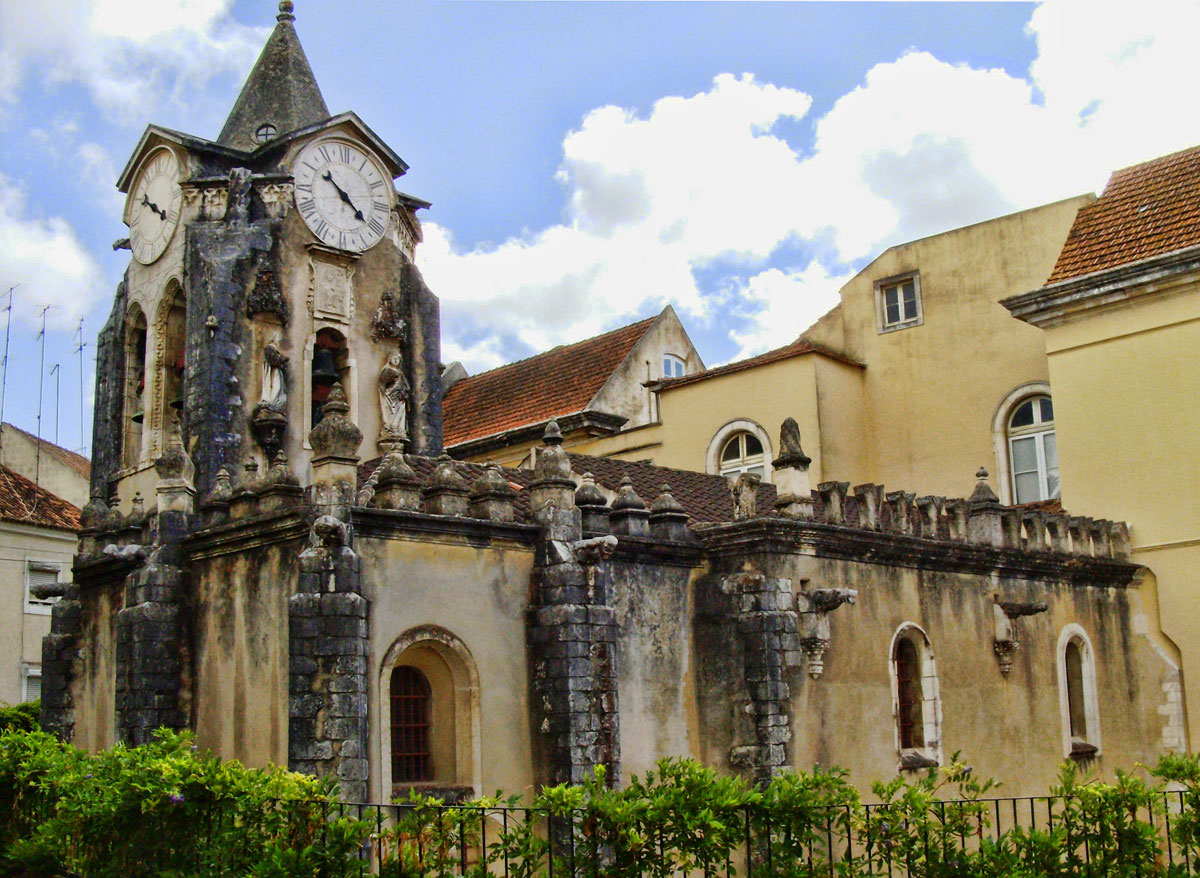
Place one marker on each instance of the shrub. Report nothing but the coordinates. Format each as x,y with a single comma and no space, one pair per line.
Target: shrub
20,717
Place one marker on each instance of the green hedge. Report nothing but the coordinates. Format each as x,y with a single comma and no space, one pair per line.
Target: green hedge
165,809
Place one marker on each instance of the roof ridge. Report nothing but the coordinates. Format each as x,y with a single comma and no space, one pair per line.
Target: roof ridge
560,347
1153,161
799,346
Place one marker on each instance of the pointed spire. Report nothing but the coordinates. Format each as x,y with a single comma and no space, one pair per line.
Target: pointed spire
281,91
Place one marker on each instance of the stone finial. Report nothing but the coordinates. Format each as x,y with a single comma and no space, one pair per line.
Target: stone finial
446,493
113,518
280,486
137,511
870,505
983,493
668,518
629,514
280,473
222,490
95,511
793,498
929,513
900,504
593,506
336,435
286,11
744,488
552,483
492,497
985,518
397,486
174,462
791,455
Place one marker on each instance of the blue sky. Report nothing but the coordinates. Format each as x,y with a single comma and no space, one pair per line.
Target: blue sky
591,162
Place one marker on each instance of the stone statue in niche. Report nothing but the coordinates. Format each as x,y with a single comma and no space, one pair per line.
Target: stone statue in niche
393,402
269,421
274,379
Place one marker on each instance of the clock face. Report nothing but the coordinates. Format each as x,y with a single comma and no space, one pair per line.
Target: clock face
342,195
153,207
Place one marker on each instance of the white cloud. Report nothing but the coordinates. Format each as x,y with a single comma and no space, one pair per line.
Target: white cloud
46,259
129,54
919,147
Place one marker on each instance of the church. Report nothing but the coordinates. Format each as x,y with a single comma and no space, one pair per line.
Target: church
278,555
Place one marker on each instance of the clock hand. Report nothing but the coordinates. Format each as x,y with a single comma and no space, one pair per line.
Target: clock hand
162,214
342,195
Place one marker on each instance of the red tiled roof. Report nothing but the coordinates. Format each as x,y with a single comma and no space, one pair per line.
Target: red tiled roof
74,461
559,382
24,502
794,349
1146,210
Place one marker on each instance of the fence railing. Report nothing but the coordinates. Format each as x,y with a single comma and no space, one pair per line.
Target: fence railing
1047,835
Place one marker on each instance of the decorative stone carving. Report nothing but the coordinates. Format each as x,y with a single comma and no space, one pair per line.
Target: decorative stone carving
833,501
1005,614
214,202
552,483
593,506
276,198
222,490
446,493
629,514
238,210
331,289
389,321
265,296
269,420
393,403
668,519
929,513
280,488
397,485
592,551
900,505
492,497
745,495
175,473
814,607
793,498
336,435
870,505
985,519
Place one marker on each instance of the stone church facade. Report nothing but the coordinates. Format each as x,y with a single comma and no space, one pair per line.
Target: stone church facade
275,556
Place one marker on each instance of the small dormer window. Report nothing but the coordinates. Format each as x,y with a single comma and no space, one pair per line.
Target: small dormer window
898,302
673,366
265,132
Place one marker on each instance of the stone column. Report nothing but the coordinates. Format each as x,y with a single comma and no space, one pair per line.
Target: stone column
571,633
328,616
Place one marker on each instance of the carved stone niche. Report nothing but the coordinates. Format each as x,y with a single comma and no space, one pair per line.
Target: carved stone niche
331,285
1005,614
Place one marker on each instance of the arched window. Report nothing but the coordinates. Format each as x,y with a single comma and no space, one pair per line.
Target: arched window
1033,451
1077,694
330,364
673,366
135,386
173,328
916,701
429,731
743,453
411,754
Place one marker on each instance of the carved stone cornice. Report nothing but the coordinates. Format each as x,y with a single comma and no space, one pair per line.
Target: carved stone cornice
399,524
247,533
783,536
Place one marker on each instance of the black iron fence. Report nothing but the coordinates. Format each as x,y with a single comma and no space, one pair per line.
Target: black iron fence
1011,837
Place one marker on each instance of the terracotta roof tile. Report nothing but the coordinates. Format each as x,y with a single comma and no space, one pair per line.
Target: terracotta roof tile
1146,210
794,349
558,382
74,461
24,502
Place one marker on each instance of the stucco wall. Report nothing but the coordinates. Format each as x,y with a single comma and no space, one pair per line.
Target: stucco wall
22,627
466,596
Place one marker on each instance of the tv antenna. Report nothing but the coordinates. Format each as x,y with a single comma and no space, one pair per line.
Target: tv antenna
80,344
57,373
37,464
4,363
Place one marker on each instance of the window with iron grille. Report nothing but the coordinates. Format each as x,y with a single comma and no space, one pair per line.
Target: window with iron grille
411,699
910,696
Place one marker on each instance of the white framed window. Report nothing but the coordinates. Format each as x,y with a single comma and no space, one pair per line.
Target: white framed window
1033,450
898,302
1077,701
673,366
916,698
740,446
40,573
31,682
743,453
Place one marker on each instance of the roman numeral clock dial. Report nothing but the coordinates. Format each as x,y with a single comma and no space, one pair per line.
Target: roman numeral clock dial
342,195
152,210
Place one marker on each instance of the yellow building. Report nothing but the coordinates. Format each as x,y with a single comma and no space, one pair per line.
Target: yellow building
1120,315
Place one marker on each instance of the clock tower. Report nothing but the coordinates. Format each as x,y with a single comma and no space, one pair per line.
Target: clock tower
268,266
